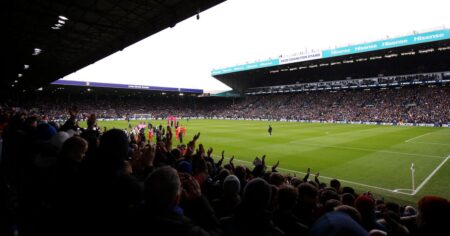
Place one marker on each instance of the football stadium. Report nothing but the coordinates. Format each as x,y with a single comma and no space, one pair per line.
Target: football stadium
344,140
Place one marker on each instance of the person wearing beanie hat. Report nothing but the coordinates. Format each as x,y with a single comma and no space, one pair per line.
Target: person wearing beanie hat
337,223
231,186
257,193
71,132
46,156
113,150
184,167
44,131
226,204
58,139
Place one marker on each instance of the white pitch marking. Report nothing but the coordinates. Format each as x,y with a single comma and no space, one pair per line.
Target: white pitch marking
430,175
420,136
371,150
342,180
442,144
399,190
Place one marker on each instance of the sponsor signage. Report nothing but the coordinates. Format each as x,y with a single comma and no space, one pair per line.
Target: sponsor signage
359,48
389,43
300,57
125,86
251,66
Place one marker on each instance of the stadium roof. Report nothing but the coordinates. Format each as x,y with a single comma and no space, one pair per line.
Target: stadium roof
46,40
418,53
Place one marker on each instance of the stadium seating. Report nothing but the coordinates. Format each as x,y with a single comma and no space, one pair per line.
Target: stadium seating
412,104
60,180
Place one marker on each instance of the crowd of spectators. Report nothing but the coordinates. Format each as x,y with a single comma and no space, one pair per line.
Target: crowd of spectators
56,181
412,104
416,104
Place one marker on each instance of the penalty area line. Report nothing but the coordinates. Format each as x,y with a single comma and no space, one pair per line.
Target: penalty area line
432,143
430,175
420,136
367,149
342,180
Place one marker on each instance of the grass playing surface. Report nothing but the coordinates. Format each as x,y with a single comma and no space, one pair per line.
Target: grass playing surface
366,157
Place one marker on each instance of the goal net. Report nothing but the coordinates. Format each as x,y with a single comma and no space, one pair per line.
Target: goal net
141,117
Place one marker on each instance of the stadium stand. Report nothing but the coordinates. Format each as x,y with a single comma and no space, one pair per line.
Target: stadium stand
425,103
60,180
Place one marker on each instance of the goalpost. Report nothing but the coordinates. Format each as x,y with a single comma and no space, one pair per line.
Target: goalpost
144,116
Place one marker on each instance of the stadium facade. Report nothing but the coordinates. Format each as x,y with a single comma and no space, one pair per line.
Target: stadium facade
411,54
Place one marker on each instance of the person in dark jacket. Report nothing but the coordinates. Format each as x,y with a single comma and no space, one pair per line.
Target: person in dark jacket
252,216
283,217
162,213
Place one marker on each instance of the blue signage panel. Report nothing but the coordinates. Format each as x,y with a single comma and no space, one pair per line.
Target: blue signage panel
389,43
125,86
366,47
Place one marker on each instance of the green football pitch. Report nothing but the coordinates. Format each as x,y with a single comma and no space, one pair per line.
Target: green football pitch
365,157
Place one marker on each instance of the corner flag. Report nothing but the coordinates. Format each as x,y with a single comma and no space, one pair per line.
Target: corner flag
412,177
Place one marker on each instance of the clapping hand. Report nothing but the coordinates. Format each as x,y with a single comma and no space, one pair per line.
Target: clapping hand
231,160
274,167
148,155
257,161
221,159
190,187
210,150
196,137
308,172
263,161
316,178
201,151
